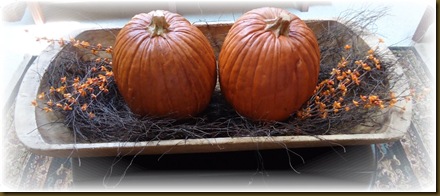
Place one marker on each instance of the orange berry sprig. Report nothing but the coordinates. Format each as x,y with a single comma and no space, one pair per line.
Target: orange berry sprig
94,49
76,94
330,96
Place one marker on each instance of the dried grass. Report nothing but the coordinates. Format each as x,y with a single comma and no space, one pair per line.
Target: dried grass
113,120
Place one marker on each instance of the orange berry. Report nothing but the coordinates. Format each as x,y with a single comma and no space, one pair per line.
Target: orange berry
84,107
85,44
41,95
336,105
91,115
67,107
50,103
47,109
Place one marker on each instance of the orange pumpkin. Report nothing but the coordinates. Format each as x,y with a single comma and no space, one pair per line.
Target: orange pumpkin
268,64
164,66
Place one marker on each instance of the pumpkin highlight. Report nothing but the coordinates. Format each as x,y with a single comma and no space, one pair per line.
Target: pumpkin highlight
268,64
164,66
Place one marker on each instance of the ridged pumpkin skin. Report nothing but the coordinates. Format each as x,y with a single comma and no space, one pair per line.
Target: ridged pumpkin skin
267,70
166,69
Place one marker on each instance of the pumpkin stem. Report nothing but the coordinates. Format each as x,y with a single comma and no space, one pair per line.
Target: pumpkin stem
279,25
158,25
